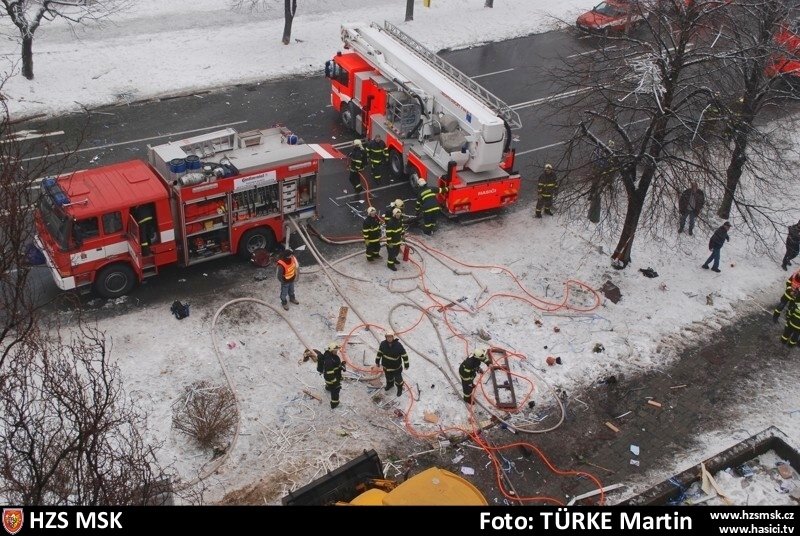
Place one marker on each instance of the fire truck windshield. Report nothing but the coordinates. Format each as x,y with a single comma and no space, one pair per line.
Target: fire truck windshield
55,220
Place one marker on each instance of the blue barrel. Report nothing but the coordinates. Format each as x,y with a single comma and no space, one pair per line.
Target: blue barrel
193,163
177,165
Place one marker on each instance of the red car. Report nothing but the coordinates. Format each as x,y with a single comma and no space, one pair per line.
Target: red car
788,37
612,15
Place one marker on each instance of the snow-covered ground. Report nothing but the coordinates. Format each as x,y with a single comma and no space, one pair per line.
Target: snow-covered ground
287,436
159,47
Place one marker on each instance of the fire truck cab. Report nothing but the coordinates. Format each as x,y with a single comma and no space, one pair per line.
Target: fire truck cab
438,123
196,199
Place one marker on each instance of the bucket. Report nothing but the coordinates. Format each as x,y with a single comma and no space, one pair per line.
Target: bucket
193,162
177,165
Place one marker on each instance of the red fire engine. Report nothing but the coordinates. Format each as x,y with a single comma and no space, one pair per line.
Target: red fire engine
196,199
439,124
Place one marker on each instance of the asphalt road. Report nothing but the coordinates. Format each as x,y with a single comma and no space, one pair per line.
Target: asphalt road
515,70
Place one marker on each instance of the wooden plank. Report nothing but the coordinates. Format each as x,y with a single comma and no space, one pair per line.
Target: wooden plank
613,428
312,395
654,403
342,318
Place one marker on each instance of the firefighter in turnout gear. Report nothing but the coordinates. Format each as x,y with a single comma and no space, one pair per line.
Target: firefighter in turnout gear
791,333
378,155
357,161
331,368
145,218
468,370
394,238
427,206
547,190
390,354
790,295
371,229
397,203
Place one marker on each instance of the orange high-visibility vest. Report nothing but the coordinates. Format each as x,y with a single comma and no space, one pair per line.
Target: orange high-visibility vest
289,268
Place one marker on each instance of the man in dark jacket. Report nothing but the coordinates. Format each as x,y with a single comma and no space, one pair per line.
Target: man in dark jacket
357,162
718,239
546,190
690,204
393,358
331,368
428,206
394,238
371,229
287,272
469,369
792,245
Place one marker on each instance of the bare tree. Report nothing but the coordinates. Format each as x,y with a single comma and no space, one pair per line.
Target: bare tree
289,11
27,15
409,10
71,435
634,105
489,3
749,33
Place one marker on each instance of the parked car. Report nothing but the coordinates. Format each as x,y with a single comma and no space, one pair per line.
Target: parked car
612,16
788,38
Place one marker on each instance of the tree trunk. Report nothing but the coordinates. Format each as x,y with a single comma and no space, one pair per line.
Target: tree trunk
409,10
734,172
27,57
489,3
289,9
622,253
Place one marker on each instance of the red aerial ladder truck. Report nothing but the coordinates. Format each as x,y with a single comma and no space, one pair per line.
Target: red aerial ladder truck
439,124
195,200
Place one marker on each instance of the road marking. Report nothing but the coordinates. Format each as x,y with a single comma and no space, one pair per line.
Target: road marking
592,51
106,146
550,98
371,190
542,148
493,73
24,135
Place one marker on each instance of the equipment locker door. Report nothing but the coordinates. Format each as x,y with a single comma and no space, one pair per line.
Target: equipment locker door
135,246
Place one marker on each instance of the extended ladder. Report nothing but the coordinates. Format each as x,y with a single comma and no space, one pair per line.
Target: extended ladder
478,91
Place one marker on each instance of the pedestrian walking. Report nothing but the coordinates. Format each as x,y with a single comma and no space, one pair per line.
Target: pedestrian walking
428,206
371,229
288,271
792,245
331,367
547,190
394,238
378,155
715,244
790,295
469,369
357,162
690,204
393,358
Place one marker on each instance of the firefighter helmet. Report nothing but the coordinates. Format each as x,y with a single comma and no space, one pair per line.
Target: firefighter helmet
332,347
390,333
480,353
548,166
422,182
398,203
397,213
372,211
357,143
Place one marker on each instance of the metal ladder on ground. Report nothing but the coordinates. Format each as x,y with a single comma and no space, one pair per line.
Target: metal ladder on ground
478,91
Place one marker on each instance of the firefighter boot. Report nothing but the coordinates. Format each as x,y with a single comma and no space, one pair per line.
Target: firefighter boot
538,213
388,386
399,390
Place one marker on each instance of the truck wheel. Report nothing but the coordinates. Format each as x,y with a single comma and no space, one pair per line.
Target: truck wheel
396,164
114,281
261,238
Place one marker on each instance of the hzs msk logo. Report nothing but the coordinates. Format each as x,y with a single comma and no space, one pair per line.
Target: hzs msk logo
12,520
